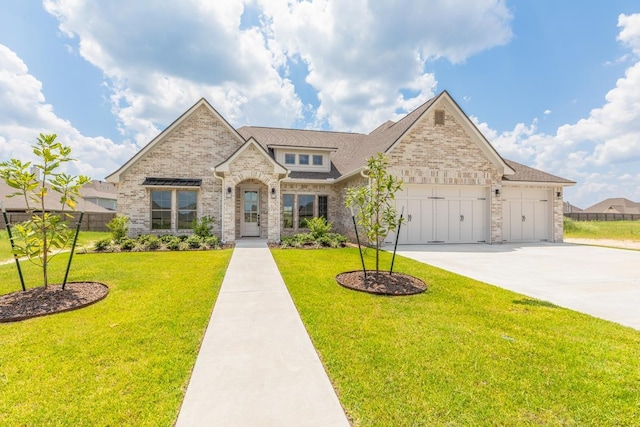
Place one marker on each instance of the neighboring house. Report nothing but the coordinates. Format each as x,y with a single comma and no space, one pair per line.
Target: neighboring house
17,204
101,193
615,205
265,182
569,208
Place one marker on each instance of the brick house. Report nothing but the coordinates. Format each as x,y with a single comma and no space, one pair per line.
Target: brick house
263,182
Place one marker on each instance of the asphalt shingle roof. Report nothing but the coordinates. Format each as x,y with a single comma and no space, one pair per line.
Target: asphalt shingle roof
351,150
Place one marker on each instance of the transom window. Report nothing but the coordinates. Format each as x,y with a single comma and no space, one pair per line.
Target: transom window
290,159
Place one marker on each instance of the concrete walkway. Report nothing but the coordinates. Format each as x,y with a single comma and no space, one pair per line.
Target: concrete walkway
257,366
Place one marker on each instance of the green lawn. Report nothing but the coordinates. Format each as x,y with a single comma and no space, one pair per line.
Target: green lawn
464,353
124,361
616,230
85,239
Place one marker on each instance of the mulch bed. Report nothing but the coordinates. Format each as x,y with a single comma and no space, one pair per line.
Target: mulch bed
37,302
381,283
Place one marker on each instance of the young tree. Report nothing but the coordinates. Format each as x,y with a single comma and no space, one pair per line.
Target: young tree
44,235
376,209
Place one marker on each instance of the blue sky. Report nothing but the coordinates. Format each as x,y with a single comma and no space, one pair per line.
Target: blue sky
554,85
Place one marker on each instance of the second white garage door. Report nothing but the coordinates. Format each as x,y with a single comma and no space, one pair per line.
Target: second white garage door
443,214
525,214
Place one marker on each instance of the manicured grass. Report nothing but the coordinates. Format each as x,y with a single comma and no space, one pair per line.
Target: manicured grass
616,230
124,361
464,353
85,240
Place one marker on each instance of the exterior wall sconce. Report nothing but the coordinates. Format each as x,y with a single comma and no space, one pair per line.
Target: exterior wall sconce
273,192
559,195
497,192
229,192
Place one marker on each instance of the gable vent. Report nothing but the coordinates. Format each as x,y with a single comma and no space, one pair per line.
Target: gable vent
439,117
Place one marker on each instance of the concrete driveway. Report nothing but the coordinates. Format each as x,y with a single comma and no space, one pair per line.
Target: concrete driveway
599,281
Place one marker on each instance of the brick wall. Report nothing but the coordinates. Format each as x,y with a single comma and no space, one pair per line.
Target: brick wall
200,142
446,155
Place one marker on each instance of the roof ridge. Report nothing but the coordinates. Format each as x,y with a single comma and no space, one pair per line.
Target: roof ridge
301,130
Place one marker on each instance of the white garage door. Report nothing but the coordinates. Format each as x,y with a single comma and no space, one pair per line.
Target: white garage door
525,214
442,214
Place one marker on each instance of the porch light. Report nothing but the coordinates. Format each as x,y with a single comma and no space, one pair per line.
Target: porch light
273,192
559,195
229,192
497,192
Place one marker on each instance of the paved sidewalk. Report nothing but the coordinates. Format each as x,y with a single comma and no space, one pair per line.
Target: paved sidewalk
257,366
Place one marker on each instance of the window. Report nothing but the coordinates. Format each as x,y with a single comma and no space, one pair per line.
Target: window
317,160
187,209
289,159
161,210
287,210
323,207
305,209
303,159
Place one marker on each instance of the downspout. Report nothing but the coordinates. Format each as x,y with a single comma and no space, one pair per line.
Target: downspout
222,195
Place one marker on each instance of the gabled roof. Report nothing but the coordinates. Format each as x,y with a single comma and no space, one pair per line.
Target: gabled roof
615,205
251,142
115,177
527,174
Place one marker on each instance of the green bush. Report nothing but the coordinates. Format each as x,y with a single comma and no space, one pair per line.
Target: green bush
127,244
173,243
202,226
318,227
151,242
212,242
119,227
102,245
194,242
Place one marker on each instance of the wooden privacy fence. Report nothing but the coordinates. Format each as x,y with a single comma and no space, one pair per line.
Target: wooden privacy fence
92,221
589,216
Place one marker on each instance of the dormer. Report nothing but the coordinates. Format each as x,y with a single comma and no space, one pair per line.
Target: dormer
304,159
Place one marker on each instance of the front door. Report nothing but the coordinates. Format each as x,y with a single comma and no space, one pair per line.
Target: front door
251,213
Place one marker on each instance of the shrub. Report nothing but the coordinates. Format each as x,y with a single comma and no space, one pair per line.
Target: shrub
202,226
119,227
318,227
150,242
102,245
172,242
166,238
194,242
127,244
212,242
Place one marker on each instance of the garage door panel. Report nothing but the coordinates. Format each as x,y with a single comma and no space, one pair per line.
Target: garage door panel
525,214
447,214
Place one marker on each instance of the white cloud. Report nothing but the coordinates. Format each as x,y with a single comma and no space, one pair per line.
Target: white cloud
24,114
597,150
363,54
161,57
366,59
